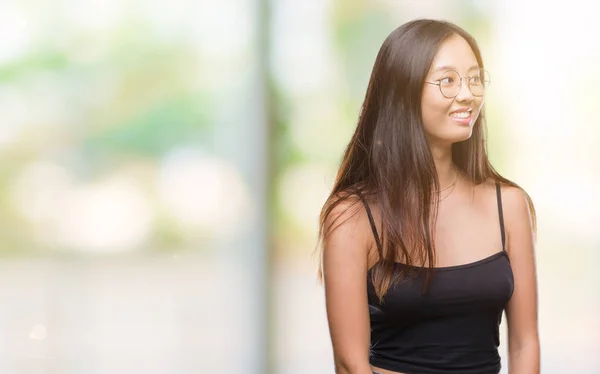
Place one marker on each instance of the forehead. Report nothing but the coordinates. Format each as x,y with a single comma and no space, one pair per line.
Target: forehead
454,52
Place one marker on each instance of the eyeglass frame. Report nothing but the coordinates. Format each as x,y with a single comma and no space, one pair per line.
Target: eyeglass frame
460,77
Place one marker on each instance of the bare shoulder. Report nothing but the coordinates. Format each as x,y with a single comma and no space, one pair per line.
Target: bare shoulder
518,217
347,238
346,215
485,195
514,199
515,202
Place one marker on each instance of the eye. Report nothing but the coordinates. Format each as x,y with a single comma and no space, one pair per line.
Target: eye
447,81
475,80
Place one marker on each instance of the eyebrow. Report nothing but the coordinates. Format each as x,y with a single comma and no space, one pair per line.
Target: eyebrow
448,67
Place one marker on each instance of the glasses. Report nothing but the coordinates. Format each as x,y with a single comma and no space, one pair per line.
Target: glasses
450,83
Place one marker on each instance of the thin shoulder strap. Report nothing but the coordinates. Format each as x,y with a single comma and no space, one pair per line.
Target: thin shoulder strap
371,221
500,215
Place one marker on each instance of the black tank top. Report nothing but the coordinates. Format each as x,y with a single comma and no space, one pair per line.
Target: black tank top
454,327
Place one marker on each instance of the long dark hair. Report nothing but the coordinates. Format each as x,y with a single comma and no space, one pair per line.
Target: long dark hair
388,159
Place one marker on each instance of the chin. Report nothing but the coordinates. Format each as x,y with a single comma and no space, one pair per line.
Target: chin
460,134
452,133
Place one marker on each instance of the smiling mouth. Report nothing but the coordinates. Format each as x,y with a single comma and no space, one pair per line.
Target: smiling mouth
462,116
462,113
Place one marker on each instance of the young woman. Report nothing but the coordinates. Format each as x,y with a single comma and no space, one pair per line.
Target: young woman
424,244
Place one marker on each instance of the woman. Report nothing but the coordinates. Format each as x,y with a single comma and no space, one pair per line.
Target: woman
424,244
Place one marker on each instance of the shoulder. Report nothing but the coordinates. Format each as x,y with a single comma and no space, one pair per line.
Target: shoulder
347,234
516,202
519,215
347,218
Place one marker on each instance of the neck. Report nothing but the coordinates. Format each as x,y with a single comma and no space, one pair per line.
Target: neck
444,166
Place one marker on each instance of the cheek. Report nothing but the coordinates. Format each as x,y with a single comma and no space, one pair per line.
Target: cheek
435,110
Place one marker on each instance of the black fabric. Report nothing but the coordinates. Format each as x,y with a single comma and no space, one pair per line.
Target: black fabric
371,220
500,215
451,329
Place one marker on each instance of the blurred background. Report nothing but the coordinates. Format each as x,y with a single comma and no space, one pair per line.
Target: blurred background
163,164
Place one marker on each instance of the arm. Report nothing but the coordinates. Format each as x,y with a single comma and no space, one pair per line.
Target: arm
345,255
521,312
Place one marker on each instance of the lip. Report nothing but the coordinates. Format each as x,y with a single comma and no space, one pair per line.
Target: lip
465,109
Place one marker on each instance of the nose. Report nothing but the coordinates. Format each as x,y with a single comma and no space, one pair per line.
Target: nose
464,94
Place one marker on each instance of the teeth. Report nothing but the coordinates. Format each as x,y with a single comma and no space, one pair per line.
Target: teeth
461,114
